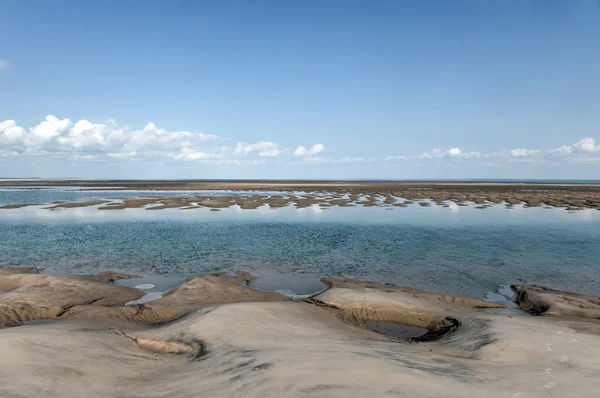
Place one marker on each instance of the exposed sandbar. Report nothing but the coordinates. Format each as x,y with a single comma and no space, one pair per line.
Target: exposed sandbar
573,196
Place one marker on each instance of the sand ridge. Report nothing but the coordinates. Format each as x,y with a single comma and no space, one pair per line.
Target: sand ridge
329,193
269,346
32,296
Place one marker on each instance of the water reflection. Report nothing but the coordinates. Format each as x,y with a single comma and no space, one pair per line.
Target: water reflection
454,249
413,213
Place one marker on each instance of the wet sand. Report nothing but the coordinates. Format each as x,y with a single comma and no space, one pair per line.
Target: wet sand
215,336
325,194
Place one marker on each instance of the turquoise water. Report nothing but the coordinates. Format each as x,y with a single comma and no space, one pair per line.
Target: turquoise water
458,250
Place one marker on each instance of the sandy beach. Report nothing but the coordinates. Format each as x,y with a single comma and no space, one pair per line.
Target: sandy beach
73,336
300,199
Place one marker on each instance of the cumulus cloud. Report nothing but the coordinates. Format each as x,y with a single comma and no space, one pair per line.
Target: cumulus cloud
85,140
191,154
587,145
300,151
455,153
3,64
584,146
49,129
10,133
522,152
562,150
399,157
264,148
356,159
54,135
315,149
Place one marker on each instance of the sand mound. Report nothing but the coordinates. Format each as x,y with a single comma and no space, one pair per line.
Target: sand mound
540,300
182,345
134,315
219,288
37,296
362,302
407,292
283,348
111,276
273,349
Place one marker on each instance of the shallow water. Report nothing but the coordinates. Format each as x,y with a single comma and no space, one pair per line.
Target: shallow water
40,195
458,250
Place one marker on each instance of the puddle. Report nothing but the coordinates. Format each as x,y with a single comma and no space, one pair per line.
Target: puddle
145,286
290,285
503,295
146,298
396,329
154,282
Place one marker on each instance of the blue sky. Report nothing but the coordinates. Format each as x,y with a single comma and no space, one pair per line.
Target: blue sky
300,89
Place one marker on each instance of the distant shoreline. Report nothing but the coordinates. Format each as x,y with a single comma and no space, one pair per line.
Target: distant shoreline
7,181
326,193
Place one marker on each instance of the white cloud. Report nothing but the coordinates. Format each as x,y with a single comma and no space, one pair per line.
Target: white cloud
562,150
315,149
62,136
47,130
450,153
10,133
84,140
584,146
454,152
356,159
522,152
587,145
300,151
191,154
4,64
264,148
85,134
401,157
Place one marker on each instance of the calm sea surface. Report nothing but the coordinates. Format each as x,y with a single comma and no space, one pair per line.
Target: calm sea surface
458,250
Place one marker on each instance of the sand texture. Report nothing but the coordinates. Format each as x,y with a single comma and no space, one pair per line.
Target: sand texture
32,296
229,340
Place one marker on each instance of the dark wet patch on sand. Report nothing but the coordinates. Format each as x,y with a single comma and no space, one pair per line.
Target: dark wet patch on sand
396,329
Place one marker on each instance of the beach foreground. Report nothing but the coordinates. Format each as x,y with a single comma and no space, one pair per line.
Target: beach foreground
73,336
